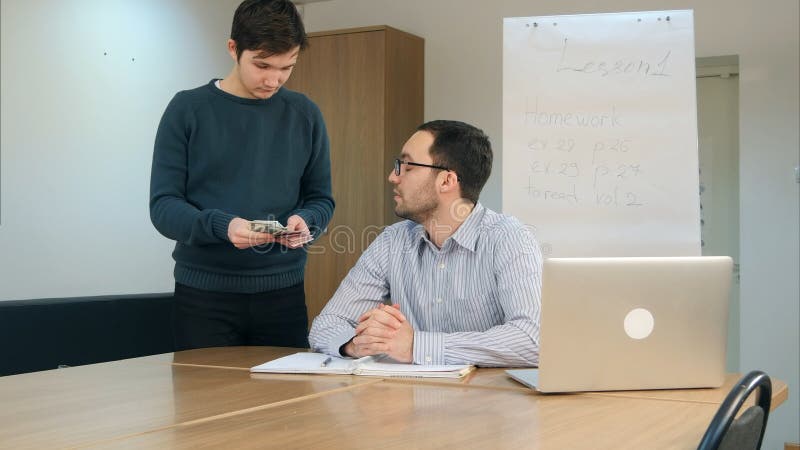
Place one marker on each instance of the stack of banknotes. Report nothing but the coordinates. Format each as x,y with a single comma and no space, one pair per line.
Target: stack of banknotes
273,227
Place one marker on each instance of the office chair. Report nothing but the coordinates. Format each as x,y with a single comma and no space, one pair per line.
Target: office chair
746,432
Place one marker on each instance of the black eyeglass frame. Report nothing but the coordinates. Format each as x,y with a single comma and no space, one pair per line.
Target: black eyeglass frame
399,162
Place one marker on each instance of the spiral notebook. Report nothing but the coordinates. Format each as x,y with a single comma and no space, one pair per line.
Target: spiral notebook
318,363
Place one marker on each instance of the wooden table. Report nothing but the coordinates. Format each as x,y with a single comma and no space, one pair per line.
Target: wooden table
207,397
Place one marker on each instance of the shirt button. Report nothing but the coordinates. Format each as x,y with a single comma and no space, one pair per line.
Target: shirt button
441,265
428,359
439,300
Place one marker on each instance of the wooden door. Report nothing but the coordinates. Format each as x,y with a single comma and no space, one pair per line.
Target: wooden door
344,75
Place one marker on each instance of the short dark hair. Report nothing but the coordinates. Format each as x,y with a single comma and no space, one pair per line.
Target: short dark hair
272,26
463,149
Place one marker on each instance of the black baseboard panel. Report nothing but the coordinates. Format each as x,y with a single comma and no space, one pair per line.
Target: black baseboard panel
43,334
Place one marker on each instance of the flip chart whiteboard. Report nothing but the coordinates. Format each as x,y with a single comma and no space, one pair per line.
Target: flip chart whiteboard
600,133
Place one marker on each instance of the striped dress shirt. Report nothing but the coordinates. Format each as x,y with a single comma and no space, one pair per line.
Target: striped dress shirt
476,300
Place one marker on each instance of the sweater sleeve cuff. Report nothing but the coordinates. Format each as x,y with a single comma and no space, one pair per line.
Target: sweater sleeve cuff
220,222
428,348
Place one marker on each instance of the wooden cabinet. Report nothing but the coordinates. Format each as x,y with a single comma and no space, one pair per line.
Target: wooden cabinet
369,84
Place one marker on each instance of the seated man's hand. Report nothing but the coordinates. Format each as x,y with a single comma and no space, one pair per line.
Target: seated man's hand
383,330
383,316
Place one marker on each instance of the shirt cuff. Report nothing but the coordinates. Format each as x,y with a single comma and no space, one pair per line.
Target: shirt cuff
428,348
339,340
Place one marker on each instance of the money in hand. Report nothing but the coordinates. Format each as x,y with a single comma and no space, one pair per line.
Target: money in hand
272,227
298,238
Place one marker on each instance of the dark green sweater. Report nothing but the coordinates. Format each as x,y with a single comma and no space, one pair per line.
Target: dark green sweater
218,156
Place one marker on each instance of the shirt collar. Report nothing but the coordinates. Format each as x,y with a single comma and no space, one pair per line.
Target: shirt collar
466,235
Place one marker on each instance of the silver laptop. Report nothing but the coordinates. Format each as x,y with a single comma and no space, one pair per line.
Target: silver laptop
632,323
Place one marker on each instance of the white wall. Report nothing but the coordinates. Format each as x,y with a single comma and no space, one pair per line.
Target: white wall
463,80
84,84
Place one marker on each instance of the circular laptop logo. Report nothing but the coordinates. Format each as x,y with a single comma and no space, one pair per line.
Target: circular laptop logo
639,323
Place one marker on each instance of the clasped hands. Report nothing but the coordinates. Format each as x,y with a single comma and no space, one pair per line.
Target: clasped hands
383,330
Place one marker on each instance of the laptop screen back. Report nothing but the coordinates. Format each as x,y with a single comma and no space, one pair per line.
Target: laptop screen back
633,323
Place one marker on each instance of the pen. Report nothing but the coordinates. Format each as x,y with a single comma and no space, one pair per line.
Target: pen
325,363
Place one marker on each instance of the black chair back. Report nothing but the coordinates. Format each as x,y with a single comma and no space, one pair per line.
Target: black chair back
747,431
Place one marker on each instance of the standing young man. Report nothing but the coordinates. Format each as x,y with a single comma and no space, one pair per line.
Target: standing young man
465,281
239,149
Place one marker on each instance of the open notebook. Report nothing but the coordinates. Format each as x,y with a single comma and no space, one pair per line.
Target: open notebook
307,362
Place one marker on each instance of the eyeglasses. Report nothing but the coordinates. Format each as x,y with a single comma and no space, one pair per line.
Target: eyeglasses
398,163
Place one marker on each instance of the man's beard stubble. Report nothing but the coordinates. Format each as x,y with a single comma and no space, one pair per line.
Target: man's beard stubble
421,213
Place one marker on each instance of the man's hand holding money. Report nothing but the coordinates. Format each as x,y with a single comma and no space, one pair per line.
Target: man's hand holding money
242,237
297,233
245,234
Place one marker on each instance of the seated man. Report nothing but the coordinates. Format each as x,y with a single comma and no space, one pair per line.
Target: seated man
464,281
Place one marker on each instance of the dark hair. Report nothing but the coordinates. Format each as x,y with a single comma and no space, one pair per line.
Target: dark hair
463,149
272,26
